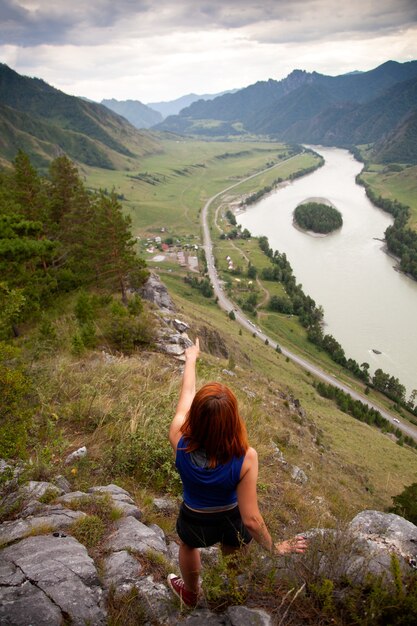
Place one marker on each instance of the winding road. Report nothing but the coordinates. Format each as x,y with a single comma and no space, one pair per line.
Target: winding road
228,305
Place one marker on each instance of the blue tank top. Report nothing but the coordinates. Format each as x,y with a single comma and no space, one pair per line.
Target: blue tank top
206,487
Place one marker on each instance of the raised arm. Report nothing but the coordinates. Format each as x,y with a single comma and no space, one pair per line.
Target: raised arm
251,516
186,395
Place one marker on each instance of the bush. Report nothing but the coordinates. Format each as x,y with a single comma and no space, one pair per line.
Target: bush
125,331
405,503
15,410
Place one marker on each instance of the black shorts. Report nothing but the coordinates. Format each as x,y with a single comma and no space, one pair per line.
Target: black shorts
200,530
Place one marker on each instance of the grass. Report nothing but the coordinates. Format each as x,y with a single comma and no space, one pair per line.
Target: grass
401,186
189,172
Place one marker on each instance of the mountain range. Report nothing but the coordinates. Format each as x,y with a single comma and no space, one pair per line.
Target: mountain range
378,107
46,122
147,115
345,110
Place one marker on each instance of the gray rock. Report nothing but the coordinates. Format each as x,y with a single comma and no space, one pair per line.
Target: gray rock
157,530
165,505
387,528
378,535
61,482
240,615
277,454
52,518
120,498
133,535
10,575
182,327
27,605
173,552
127,509
71,496
173,349
63,571
76,455
298,475
122,571
111,489
154,291
157,601
5,467
204,617
228,372
37,489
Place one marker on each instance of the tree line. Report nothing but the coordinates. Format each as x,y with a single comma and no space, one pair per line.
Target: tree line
296,302
55,237
401,241
362,412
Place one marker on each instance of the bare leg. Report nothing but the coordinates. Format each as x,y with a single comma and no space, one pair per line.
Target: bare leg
190,566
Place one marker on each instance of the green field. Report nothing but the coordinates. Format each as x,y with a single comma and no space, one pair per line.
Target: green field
401,186
185,174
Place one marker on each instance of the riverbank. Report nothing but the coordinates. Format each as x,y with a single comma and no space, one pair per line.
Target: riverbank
358,276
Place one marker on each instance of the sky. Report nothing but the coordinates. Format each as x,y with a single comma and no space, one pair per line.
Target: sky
160,50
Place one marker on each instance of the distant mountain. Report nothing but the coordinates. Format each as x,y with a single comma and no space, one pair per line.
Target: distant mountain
46,122
173,107
310,107
401,144
137,113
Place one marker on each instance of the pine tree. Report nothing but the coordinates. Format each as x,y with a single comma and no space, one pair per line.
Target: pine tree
113,253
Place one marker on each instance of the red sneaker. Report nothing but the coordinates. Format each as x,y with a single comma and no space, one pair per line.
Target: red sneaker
189,598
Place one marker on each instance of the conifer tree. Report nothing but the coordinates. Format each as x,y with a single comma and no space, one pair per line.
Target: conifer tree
113,252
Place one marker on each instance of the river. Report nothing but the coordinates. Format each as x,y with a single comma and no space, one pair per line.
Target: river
367,304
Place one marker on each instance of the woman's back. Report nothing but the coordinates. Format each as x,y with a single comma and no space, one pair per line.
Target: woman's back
207,487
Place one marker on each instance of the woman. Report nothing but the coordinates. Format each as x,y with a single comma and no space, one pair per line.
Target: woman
219,472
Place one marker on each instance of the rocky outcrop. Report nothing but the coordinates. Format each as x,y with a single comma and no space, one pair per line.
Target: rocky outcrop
366,546
155,291
48,577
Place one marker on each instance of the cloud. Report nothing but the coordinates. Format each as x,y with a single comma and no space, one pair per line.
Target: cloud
152,51
37,22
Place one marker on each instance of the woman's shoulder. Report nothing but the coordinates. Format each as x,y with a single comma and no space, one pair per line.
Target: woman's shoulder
251,454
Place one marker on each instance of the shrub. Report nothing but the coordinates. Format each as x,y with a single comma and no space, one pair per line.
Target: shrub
15,410
405,503
125,332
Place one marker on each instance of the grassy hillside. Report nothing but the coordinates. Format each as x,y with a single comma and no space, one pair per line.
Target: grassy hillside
46,122
79,380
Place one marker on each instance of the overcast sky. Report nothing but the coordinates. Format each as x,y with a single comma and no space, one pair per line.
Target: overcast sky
159,50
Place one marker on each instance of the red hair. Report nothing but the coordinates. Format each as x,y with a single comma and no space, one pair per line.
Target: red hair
213,423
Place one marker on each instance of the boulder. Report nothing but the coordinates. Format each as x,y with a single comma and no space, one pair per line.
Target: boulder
135,536
61,582
239,615
380,535
121,571
160,607
165,505
204,617
365,547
